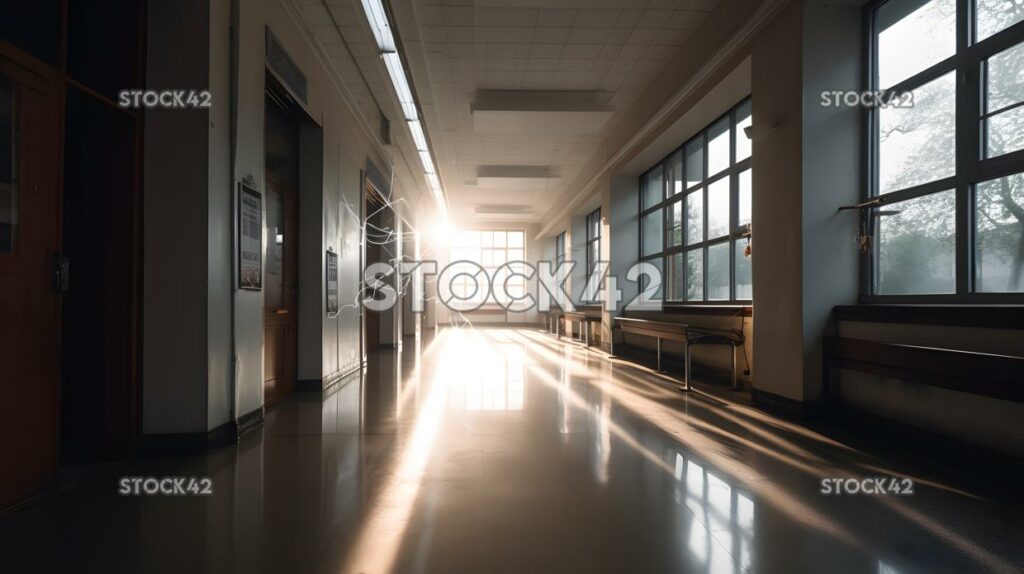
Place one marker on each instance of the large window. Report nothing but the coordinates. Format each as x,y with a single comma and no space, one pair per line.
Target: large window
946,173
593,240
695,214
559,249
490,250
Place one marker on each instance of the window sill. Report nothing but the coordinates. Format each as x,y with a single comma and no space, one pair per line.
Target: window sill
725,309
991,316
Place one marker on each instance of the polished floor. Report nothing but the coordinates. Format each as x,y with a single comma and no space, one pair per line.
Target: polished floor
503,450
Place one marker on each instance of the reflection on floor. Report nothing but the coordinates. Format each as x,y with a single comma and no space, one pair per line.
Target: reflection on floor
502,450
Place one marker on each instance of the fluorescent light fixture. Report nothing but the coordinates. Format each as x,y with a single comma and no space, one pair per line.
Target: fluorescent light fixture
397,73
428,163
417,135
378,18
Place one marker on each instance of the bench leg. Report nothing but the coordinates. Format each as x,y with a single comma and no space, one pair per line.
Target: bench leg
733,366
659,354
585,327
686,366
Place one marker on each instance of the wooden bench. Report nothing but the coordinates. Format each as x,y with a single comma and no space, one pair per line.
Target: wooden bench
689,336
585,321
983,374
553,318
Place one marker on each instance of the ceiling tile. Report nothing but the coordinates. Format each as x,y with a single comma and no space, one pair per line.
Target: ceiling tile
551,35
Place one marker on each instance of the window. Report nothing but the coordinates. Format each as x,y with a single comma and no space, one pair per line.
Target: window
948,172
559,249
490,250
593,240
697,229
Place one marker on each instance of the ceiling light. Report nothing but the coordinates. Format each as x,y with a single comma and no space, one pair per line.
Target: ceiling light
378,18
417,135
428,163
394,64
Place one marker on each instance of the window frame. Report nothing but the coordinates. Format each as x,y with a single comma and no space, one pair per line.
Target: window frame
460,281
970,165
592,238
736,231
559,249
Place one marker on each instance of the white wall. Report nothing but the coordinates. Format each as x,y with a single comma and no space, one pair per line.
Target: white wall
196,378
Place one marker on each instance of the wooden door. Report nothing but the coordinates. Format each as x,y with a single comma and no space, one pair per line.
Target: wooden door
280,289
29,298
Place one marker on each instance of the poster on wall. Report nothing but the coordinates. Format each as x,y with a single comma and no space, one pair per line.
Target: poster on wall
332,283
250,237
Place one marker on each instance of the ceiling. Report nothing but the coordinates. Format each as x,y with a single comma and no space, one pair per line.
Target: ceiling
516,94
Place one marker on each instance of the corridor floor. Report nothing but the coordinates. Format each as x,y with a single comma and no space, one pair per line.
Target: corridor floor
504,450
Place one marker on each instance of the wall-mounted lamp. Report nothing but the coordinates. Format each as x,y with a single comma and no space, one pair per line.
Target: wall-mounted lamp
756,131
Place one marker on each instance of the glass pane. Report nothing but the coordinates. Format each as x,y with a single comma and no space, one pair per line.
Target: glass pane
995,15
695,275
1005,87
273,290
913,37
653,185
999,235
694,162
675,277
718,208
917,145
718,147
499,239
674,174
1005,133
486,238
746,193
694,217
718,272
743,120
515,254
675,231
8,168
650,228
515,238
916,246
744,274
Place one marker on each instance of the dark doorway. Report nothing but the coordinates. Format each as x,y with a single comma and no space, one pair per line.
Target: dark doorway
97,352
280,288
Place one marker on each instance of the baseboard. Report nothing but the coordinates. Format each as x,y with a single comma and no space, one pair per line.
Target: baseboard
326,384
249,421
225,434
783,406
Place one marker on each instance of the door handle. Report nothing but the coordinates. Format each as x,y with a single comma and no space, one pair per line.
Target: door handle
61,273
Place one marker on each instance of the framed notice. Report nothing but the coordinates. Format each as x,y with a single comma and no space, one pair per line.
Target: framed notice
332,283
250,237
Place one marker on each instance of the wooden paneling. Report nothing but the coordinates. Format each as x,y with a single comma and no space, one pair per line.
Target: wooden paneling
29,303
996,376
